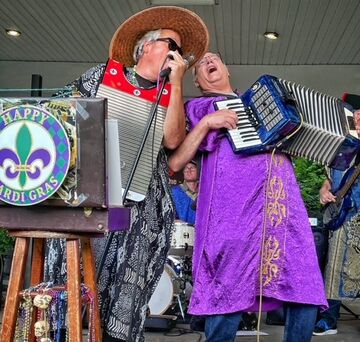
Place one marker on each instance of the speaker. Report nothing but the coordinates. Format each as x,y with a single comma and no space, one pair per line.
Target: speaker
36,84
321,237
160,322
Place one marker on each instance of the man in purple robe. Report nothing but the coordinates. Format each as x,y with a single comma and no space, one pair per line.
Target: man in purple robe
254,248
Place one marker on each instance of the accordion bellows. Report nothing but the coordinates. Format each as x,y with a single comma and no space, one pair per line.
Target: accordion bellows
327,135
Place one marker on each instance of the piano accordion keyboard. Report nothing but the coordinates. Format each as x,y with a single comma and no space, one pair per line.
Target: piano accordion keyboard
245,134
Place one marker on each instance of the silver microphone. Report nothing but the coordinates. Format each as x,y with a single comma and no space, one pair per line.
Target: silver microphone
188,59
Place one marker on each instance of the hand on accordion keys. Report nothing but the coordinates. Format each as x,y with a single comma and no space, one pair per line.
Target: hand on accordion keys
224,118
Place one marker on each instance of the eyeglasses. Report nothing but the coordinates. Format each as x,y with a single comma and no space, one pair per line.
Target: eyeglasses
172,44
208,58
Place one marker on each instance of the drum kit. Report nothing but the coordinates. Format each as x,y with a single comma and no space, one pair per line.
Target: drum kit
172,294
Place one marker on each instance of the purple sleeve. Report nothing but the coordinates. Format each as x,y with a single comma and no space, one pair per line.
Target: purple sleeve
196,109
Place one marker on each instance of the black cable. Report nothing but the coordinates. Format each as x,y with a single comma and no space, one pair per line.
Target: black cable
182,331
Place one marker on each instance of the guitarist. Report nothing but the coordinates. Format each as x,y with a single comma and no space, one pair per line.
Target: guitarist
342,247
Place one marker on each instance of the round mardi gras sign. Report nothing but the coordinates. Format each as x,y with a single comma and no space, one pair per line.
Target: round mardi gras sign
34,155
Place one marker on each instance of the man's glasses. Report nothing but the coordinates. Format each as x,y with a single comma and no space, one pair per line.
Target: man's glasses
172,44
208,58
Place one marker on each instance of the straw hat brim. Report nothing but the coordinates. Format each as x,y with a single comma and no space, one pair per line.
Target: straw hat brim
191,28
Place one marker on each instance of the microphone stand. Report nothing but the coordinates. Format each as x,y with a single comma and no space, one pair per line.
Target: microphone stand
152,115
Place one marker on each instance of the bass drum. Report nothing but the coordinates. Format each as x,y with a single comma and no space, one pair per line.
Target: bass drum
164,293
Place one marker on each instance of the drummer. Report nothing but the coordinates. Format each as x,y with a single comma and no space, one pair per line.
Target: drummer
185,194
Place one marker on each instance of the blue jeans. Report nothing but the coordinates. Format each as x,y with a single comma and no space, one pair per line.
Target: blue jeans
331,315
299,324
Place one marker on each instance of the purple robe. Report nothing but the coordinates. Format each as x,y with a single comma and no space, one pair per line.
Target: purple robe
246,202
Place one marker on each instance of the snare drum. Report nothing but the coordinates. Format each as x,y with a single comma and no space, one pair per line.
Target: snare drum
166,289
183,235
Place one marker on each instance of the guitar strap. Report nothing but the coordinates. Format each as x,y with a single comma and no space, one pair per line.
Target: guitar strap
356,165
357,159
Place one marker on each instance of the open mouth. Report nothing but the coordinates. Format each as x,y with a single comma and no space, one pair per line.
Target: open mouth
212,69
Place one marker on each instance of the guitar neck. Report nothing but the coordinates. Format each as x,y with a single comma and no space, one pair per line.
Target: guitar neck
342,192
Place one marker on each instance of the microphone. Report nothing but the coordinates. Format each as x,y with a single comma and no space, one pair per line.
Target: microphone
187,59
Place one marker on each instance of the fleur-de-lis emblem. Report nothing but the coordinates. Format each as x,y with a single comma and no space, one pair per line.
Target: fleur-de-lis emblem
23,161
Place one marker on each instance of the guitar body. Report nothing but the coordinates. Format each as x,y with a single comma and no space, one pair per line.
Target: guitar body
335,212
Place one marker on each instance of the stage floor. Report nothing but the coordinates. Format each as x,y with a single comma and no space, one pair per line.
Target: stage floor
348,331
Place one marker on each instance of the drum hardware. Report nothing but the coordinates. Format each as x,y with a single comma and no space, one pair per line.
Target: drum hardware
180,307
172,294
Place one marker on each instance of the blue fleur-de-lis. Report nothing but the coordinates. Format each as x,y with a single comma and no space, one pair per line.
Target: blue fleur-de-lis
22,159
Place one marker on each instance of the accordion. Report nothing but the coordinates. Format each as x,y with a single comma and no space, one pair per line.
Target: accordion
299,121
128,110
267,113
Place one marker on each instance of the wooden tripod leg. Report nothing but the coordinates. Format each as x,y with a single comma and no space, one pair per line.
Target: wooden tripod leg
90,281
37,264
74,290
16,283
37,276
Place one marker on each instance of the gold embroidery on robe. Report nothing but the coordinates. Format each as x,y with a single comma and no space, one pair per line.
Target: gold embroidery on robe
278,160
271,254
276,210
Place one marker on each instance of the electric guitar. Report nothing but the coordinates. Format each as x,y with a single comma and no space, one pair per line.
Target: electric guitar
335,212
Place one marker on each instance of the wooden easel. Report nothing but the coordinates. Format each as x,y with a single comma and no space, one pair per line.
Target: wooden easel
17,275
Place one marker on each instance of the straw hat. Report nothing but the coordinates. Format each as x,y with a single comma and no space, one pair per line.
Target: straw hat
192,30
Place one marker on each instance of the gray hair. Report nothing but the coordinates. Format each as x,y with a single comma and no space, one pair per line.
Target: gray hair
139,46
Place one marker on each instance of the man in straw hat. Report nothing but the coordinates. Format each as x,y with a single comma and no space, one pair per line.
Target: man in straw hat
148,42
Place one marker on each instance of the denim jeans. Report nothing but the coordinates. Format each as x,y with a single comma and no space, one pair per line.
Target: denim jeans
222,328
299,324
331,315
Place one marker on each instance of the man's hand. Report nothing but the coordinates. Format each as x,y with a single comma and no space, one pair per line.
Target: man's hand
224,118
178,68
325,194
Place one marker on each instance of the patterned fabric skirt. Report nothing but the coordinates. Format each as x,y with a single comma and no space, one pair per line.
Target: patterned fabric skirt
343,267
134,262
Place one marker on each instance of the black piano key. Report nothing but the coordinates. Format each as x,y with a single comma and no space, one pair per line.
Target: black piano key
250,139
253,136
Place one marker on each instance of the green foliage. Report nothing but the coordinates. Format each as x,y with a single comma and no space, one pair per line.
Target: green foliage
6,241
310,177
